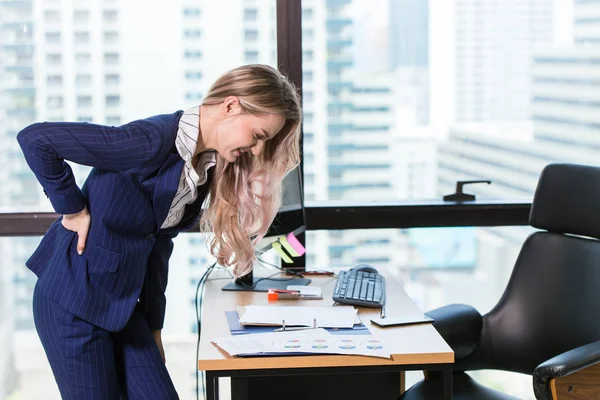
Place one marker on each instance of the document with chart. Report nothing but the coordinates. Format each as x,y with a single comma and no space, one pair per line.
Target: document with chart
310,341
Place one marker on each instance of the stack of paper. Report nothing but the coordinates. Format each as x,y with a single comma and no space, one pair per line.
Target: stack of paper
321,317
310,341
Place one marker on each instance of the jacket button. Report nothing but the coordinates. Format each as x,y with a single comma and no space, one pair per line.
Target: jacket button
150,236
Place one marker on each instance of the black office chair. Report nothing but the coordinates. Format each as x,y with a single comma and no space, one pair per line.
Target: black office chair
547,323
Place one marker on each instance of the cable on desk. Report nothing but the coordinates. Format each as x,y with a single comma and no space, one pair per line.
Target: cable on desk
287,271
300,274
198,302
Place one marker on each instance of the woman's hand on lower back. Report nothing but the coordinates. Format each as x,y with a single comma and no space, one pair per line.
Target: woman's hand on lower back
80,223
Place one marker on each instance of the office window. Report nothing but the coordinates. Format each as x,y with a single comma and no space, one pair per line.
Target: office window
113,120
307,55
53,59
196,240
110,15
111,58
52,15
83,58
81,37
193,54
90,73
55,101
250,35
191,12
193,96
80,16
112,79
193,75
53,37
308,117
54,80
251,56
250,14
113,101
83,80
494,111
192,33
84,101
111,37
308,138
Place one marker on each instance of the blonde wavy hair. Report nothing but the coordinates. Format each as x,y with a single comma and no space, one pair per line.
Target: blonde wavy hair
246,194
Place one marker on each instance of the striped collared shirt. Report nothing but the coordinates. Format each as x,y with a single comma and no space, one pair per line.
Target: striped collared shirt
191,178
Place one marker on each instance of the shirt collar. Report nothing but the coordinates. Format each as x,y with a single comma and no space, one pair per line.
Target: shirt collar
186,142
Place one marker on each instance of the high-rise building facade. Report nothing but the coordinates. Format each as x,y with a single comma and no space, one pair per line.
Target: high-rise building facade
586,24
494,44
408,33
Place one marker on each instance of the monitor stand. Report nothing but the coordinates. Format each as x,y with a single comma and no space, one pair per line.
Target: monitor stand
249,283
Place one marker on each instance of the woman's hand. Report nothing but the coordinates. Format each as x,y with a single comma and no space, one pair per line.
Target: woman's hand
158,340
80,223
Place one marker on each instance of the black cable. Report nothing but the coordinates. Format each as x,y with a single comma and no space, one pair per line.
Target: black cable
287,271
198,302
292,272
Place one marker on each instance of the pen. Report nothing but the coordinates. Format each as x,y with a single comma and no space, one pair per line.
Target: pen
382,314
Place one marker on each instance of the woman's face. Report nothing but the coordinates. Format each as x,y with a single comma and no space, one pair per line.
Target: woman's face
238,132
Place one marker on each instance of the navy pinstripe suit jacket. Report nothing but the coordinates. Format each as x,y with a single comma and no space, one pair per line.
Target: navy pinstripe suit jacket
128,193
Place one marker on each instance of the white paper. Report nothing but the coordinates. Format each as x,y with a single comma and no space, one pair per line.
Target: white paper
324,317
258,342
314,341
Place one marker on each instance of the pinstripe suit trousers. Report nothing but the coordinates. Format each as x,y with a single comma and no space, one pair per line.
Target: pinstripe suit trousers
91,363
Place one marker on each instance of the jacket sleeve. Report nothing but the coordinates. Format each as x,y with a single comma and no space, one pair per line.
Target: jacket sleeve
152,298
47,145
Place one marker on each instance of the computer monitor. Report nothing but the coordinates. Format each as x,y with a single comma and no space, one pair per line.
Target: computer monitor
289,218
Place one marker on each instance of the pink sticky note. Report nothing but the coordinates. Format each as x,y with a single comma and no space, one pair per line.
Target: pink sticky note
295,244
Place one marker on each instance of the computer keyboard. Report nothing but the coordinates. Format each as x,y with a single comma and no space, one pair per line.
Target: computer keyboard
360,286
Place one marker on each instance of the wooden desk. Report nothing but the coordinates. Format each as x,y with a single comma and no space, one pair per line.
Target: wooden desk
416,347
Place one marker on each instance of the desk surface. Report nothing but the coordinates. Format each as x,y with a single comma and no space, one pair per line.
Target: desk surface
415,344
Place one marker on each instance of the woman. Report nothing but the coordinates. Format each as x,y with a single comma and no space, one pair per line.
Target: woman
102,268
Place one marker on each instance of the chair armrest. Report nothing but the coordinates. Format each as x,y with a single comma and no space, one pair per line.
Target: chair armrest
460,326
574,371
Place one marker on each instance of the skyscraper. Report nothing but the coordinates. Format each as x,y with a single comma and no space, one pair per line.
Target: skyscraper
408,33
586,27
494,44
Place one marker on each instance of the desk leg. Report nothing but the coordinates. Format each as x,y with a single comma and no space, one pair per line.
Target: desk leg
447,372
402,382
239,388
212,386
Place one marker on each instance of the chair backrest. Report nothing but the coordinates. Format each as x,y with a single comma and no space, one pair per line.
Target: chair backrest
552,301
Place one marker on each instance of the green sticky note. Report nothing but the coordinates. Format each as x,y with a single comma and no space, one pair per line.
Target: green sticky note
284,256
286,245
